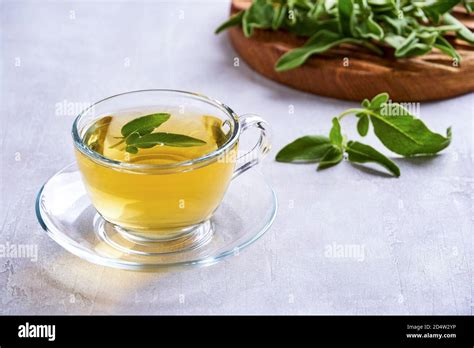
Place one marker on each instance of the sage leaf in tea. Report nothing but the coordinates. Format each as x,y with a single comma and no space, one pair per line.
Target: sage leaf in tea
145,124
131,149
168,139
138,134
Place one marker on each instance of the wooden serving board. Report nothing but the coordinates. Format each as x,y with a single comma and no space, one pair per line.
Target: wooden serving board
429,77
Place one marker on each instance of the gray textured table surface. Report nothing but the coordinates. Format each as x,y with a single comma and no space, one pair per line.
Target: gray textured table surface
415,231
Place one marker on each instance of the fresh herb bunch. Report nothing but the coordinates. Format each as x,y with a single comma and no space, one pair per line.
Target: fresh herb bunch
393,124
138,134
411,28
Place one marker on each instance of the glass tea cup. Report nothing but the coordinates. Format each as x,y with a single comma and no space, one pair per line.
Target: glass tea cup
146,202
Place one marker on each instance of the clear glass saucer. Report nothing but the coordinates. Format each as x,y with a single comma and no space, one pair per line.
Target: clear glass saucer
67,215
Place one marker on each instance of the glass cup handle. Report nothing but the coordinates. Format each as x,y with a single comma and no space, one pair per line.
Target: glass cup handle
261,148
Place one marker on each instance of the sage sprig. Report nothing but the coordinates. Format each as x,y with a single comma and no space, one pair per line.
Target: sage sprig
395,127
138,134
410,28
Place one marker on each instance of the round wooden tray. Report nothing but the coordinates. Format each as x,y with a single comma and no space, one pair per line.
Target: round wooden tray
352,73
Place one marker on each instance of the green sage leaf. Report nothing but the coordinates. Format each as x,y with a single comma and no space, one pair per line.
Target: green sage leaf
362,153
463,32
259,15
365,103
440,7
279,16
131,149
144,124
332,157
168,139
335,134
406,45
443,45
132,138
369,29
346,18
363,125
234,20
309,148
396,41
320,42
406,135
378,100
469,6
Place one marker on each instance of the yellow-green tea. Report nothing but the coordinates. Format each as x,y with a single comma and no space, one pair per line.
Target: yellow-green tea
154,202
